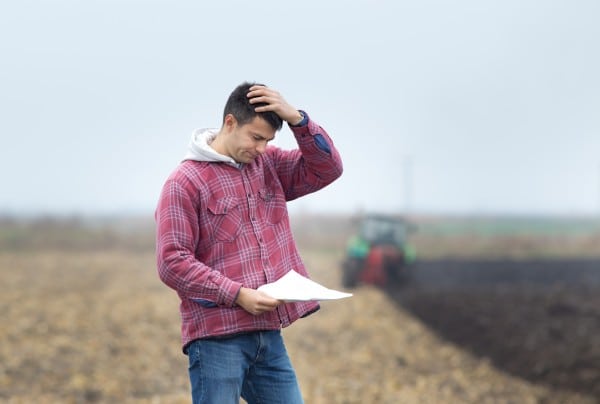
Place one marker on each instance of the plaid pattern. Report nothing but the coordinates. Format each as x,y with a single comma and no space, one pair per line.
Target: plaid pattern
220,227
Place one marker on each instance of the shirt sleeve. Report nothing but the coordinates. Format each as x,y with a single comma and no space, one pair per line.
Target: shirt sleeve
176,240
315,164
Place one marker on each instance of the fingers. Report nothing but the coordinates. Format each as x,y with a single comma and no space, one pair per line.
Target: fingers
255,91
265,95
273,101
256,302
264,306
258,90
266,303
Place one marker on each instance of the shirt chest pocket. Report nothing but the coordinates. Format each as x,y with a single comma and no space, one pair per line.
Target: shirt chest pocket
225,217
273,204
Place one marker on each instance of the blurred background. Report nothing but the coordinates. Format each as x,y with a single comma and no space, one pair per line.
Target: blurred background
437,107
472,124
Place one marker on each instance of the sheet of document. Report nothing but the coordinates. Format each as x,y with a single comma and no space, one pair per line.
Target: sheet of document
293,287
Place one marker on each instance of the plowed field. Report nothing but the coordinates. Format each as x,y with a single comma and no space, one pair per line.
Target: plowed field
91,322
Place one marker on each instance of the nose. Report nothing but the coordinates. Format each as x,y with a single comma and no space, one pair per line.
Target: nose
261,147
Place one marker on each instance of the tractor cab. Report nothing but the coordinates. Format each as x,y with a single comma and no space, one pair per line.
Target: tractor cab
383,230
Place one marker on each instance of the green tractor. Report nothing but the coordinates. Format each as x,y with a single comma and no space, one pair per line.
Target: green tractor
379,253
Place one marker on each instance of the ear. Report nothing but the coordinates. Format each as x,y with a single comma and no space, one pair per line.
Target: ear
230,122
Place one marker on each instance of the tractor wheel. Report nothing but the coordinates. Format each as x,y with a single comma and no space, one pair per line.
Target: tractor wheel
351,267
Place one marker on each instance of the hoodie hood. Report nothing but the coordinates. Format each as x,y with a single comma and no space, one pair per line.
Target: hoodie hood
199,148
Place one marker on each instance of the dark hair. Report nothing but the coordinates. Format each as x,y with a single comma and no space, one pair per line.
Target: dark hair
238,105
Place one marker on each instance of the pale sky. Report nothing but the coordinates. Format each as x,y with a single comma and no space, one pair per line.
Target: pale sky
436,106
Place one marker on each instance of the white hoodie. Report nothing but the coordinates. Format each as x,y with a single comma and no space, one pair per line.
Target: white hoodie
199,148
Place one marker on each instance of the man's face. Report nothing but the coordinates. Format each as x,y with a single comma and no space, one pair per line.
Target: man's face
244,143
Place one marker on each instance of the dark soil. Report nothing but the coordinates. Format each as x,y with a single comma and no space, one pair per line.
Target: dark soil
536,319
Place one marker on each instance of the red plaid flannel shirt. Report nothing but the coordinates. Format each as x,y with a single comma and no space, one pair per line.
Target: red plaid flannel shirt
220,227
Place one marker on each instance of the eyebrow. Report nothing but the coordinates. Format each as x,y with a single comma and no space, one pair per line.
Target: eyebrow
261,136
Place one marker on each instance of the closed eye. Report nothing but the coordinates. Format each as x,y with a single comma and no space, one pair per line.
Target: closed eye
260,138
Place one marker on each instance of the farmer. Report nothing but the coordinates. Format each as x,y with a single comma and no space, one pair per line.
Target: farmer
223,230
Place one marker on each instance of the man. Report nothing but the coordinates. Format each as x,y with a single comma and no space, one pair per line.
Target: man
223,230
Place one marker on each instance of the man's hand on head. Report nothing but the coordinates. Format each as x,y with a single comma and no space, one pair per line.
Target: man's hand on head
275,103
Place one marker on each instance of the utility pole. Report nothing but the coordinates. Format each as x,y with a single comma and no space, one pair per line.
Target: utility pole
407,171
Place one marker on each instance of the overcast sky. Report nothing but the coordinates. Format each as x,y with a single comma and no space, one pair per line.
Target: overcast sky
436,106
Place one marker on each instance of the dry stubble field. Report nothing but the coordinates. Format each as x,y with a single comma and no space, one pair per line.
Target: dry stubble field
85,320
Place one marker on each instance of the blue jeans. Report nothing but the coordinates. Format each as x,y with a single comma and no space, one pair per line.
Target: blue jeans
254,366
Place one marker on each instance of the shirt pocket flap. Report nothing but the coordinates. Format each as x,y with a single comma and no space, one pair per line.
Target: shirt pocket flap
225,218
265,195
222,206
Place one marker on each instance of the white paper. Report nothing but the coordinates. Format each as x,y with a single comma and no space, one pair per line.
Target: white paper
293,287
